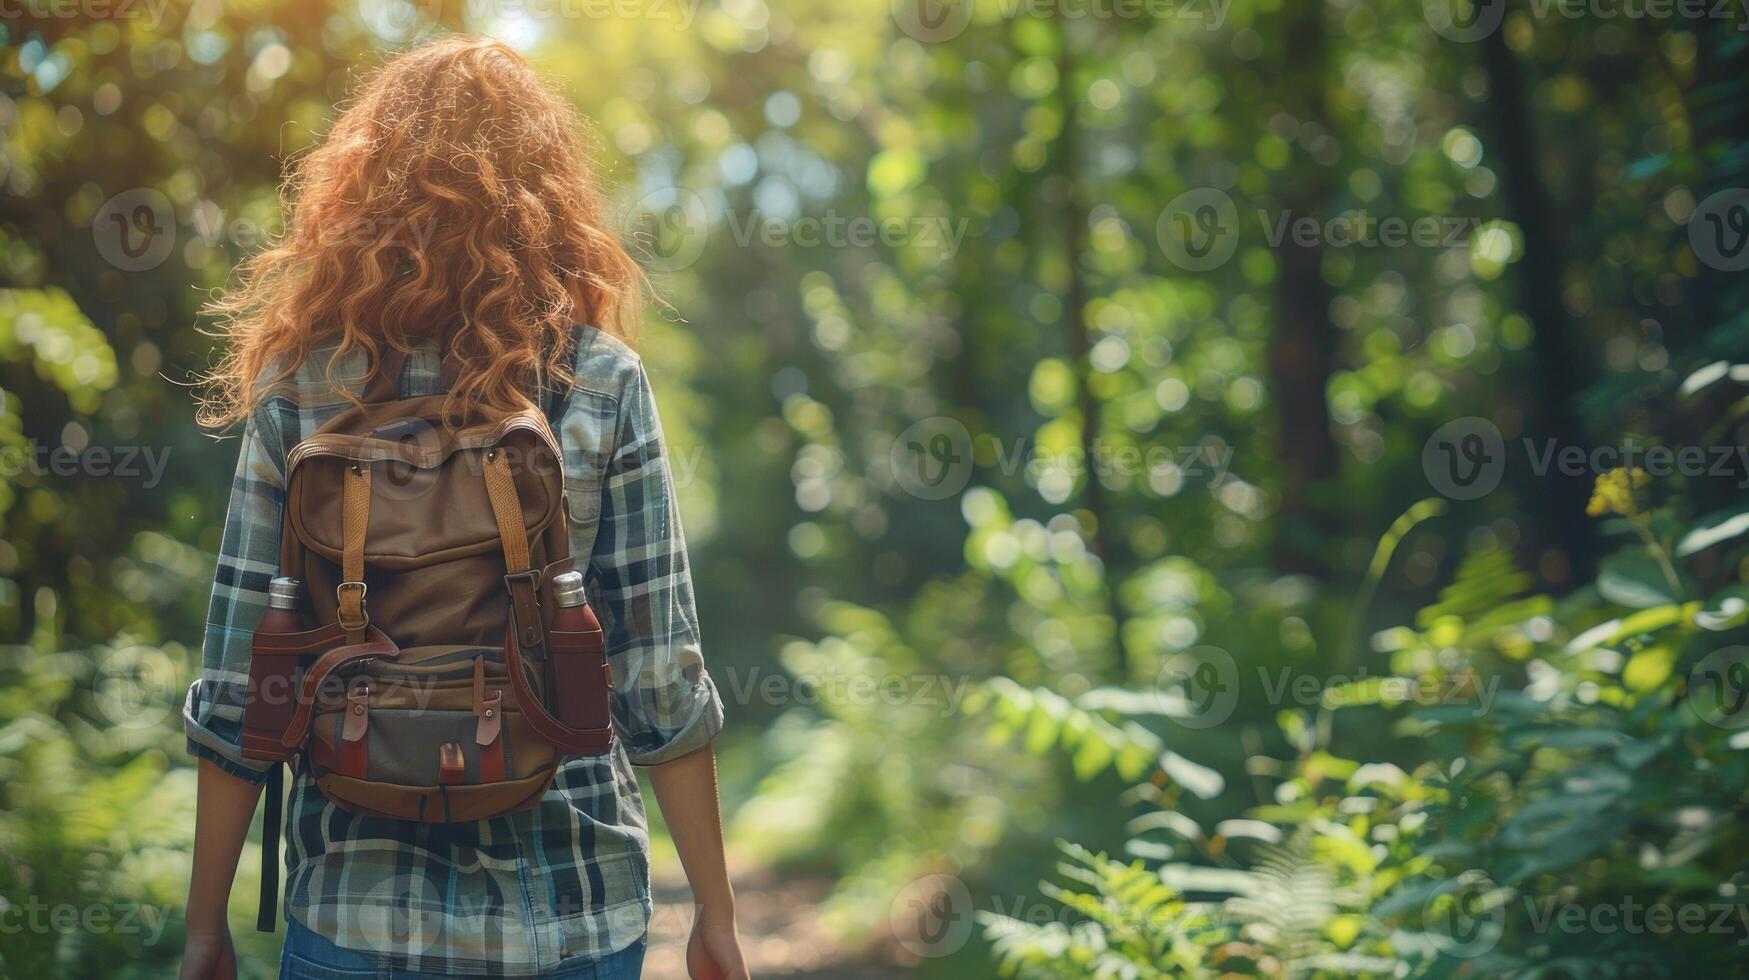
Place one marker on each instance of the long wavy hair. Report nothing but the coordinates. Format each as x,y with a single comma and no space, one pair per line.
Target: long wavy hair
451,201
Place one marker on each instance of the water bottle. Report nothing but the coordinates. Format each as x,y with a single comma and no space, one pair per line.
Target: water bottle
273,672
284,597
581,680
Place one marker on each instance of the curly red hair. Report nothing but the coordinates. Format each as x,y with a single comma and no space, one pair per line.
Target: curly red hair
451,201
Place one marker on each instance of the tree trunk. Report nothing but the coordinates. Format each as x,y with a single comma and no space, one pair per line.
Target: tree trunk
1104,540
1303,347
1549,414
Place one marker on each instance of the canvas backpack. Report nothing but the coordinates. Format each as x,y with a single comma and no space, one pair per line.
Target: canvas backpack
419,680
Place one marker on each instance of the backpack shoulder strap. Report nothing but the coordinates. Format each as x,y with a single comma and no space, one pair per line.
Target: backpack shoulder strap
384,384
525,632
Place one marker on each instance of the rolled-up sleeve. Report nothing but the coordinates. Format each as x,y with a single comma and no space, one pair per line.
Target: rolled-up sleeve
212,710
665,704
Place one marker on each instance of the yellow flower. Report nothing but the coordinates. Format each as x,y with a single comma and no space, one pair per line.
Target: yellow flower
1616,492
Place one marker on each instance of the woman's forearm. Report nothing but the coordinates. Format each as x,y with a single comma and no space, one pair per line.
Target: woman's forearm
686,789
223,808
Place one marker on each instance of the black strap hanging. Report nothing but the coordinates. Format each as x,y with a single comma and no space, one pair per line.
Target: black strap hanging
267,915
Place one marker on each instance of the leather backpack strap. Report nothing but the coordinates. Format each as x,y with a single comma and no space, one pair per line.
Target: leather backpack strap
379,647
307,641
520,577
572,741
354,521
384,384
522,580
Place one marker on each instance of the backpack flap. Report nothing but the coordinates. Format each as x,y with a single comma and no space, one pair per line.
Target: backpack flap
432,564
428,490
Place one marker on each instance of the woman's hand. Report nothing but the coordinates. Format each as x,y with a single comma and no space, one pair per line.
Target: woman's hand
714,951
209,955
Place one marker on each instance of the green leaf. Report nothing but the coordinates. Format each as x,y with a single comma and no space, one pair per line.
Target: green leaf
1343,930
1652,620
1170,821
1043,725
1646,167
1562,737
1718,526
1091,757
1133,761
1637,753
1636,580
1649,668
1201,781
1705,377
1725,609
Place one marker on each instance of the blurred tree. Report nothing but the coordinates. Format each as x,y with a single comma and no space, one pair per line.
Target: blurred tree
1558,372
1303,345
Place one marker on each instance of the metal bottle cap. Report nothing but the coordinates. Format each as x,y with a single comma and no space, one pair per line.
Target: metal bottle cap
568,588
284,592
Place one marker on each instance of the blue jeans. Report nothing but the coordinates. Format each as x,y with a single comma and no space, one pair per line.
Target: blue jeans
308,956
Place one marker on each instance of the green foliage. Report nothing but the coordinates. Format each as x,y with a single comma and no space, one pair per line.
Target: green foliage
95,822
1049,719
1584,762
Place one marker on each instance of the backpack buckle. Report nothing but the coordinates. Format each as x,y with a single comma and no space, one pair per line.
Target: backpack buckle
524,588
349,596
357,720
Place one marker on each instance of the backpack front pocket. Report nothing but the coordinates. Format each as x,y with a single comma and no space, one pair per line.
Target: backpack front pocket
407,735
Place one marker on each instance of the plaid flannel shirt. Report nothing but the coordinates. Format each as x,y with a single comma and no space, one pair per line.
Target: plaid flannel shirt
525,893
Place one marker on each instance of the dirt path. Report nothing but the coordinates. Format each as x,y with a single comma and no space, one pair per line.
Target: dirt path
782,935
